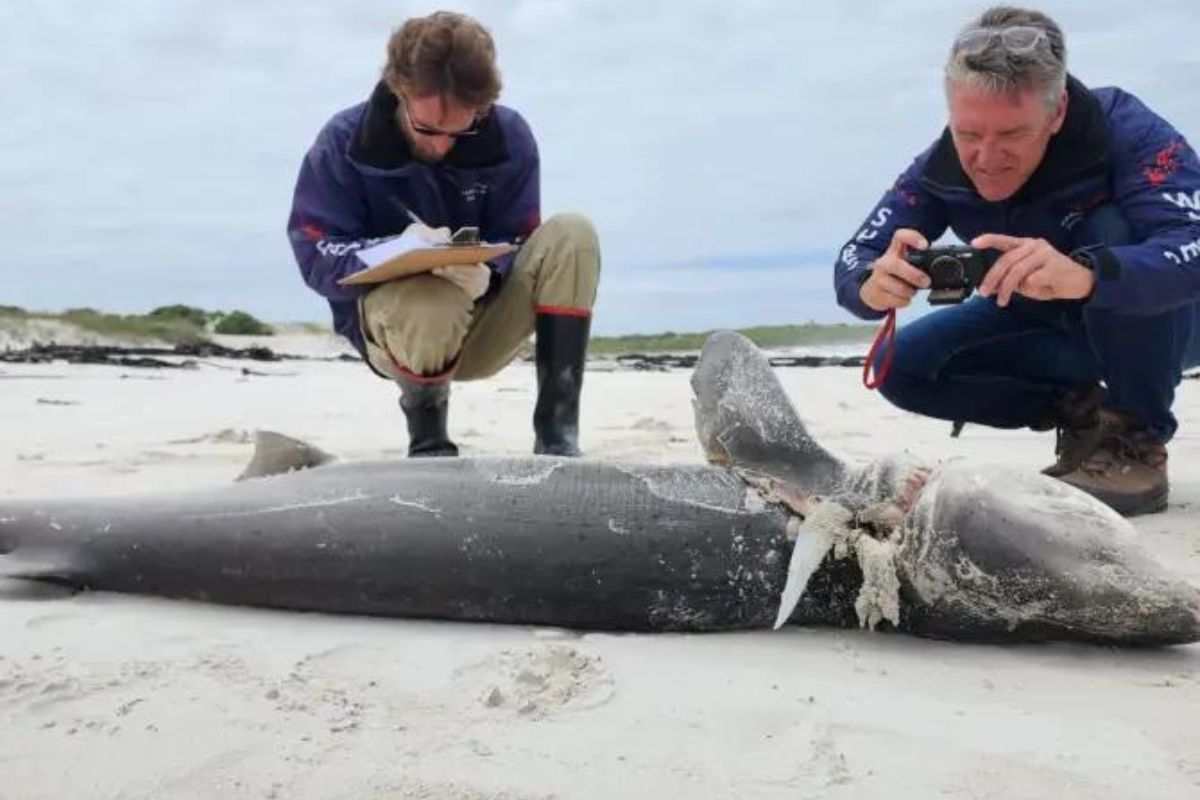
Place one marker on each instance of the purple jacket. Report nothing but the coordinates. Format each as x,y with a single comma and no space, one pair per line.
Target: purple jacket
359,177
1111,149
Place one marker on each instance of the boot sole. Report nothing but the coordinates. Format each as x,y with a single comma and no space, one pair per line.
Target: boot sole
434,453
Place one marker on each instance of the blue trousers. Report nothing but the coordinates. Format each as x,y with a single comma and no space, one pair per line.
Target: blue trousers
1006,367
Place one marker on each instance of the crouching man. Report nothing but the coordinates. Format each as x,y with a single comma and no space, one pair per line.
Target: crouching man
431,147
1088,317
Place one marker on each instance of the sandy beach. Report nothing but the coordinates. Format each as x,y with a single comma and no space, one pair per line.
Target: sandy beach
108,696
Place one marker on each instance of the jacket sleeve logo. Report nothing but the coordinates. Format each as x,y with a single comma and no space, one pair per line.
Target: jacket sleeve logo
1166,161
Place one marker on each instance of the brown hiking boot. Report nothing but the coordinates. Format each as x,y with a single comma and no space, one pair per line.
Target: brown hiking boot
1127,471
1073,445
1081,424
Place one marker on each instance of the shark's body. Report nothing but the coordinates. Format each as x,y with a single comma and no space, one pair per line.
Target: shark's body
776,529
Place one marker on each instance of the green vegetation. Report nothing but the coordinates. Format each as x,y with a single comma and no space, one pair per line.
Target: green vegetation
239,323
181,324
764,336
196,317
175,324
129,326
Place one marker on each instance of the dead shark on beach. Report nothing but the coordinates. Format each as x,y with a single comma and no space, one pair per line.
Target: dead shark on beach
774,529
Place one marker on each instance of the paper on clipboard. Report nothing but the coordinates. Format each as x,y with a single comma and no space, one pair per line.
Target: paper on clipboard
411,253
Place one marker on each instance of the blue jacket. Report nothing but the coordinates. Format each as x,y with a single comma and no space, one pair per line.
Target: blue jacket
359,177
1111,149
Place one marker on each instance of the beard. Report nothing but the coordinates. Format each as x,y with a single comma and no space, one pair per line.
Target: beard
419,149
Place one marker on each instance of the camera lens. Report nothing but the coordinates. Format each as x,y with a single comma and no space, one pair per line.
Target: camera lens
947,272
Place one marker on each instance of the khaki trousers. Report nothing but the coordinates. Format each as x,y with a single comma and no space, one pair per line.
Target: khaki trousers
427,326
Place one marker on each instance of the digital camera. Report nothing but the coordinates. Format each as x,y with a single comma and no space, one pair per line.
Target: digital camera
954,272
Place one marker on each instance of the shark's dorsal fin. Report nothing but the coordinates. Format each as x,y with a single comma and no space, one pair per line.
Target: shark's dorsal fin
275,454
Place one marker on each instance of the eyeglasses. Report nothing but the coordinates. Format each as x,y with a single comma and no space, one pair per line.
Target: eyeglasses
425,130
1016,39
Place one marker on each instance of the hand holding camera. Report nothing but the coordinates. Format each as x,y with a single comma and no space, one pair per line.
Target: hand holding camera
1033,268
954,272
893,281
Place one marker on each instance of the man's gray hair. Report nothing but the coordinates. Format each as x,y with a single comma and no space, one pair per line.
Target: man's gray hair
997,69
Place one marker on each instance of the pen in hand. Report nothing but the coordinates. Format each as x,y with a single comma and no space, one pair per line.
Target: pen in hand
413,216
430,235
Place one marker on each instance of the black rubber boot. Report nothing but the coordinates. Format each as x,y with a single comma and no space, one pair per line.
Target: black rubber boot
425,407
560,352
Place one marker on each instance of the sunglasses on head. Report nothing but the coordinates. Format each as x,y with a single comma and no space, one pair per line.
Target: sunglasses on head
1016,39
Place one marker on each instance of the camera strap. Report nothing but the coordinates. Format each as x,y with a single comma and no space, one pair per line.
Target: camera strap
886,339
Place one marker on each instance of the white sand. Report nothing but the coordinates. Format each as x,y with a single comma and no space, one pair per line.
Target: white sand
111,696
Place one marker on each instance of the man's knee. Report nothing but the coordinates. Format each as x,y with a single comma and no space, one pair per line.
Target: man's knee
913,358
426,303
561,262
570,230
571,242
918,350
420,321
892,379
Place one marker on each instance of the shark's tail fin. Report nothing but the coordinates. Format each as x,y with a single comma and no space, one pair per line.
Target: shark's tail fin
31,571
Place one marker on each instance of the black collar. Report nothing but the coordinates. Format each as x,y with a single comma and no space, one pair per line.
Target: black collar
379,143
1079,149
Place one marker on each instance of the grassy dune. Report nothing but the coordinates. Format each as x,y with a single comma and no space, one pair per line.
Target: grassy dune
183,324
764,336
174,324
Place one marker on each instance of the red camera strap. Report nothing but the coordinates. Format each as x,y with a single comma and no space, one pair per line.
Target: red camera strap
885,338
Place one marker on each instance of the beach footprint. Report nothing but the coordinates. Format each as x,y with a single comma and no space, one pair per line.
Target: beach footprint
417,790
828,760
223,436
650,425
334,686
53,619
537,682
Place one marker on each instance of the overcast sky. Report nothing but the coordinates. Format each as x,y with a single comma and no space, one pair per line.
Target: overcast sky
149,148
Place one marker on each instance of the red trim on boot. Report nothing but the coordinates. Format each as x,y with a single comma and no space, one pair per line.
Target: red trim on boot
564,311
